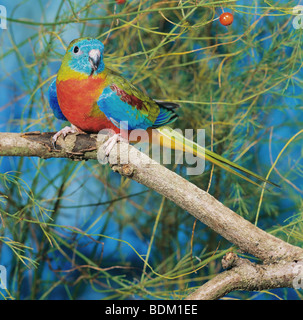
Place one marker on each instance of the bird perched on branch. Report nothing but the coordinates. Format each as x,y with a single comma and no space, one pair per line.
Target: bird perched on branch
92,97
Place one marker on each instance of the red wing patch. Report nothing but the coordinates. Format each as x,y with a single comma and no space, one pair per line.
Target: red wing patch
130,99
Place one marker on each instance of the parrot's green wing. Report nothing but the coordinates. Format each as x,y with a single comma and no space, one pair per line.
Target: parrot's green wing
122,101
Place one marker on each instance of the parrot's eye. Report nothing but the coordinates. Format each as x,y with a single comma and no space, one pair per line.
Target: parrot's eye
76,49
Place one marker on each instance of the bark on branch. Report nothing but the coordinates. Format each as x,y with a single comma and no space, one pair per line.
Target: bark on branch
130,162
247,276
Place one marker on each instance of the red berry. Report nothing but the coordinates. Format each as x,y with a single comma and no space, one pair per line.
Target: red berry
120,1
226,18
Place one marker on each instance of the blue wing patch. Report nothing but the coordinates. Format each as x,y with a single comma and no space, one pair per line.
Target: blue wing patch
117,111
53,101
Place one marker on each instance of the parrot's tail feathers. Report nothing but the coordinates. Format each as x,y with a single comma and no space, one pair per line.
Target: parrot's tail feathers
181,143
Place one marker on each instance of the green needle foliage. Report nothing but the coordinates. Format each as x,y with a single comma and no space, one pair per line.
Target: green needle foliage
74,230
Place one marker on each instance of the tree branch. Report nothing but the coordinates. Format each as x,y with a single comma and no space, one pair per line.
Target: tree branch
248,276
130,162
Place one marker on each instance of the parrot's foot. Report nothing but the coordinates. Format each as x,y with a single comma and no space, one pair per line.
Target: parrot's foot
64,132
110,143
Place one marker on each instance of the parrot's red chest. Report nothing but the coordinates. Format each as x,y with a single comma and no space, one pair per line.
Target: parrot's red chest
78,102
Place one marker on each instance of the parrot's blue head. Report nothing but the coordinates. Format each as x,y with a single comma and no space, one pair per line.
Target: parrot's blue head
85,55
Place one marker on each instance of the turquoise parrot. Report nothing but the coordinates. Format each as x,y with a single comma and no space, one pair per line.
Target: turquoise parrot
92,97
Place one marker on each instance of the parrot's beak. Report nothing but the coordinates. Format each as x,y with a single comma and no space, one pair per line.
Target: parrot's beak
94,57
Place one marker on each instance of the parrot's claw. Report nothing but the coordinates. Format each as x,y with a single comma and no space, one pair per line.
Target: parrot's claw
110,143
64,132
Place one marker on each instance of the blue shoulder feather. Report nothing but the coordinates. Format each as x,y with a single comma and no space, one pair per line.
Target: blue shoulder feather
53,101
